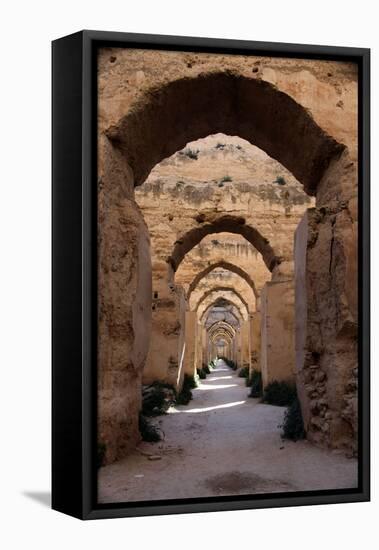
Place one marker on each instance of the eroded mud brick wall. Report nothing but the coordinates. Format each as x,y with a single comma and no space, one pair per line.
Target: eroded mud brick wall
326,326
303,113
277,332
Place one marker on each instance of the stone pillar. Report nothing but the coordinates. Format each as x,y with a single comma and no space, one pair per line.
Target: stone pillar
124,312
239,347
277,332
326,324
190,343
255,341
166,352
204,346
199,357
301,316
245,344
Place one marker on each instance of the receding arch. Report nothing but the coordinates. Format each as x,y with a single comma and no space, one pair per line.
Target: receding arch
221,289
224,325
228,313
186,109
224,265
232,302
214,223
232,311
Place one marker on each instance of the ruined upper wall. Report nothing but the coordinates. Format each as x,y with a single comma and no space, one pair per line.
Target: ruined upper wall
324,88
212,177
214,249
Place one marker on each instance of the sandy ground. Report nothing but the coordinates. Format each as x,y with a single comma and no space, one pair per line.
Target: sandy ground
223,443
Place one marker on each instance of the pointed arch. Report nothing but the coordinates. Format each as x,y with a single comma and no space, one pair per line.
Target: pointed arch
214,223
188,108
222,289
221,265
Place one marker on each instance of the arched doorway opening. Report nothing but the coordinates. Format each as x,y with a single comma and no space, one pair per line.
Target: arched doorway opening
184,109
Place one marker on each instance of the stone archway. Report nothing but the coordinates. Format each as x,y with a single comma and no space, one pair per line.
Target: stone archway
233,300
224,265
221,289
185,109
248,107
215,223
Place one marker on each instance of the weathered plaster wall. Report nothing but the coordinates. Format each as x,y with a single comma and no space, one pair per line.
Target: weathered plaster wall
173,205
255,341
133,116
326,326
277,332
223,278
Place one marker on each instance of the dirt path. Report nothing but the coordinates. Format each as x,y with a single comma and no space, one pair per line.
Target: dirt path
223,443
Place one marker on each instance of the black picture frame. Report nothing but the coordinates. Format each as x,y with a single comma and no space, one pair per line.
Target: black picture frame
74,294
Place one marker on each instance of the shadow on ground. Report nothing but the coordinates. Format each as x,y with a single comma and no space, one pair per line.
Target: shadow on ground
42,497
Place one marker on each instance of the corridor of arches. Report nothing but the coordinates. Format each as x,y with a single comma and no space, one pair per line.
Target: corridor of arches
227,254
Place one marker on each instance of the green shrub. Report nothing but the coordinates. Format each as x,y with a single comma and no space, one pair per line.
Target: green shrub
206,369
157,398
190,382
191,153
243,372
280,180
256,384
185,395
293,427
279,393
230,363
148,431
201,374
101,450
225,179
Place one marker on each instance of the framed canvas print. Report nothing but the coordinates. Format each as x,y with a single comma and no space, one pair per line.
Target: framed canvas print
210,274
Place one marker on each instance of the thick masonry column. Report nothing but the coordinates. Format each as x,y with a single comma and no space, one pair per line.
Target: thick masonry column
166,352
255,341
326,323
301,316
124,311
199,357
204,346
190,343
245,341
239,347
277,332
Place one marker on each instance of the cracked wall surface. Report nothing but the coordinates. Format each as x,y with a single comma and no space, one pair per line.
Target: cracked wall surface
167,190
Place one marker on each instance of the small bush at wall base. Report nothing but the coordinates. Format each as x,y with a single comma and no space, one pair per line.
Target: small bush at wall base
230,363
206,369
256,384
157,398
212,364
101,450
201,374
185,395
147,430
293,426
189,382
243,372
279,393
